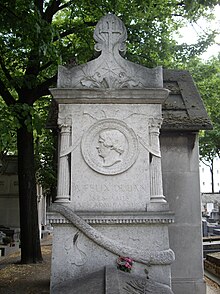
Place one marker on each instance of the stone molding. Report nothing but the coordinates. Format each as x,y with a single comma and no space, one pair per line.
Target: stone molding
107,96
163,257
109,219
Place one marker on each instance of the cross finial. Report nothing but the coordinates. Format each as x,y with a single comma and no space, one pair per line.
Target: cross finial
109,32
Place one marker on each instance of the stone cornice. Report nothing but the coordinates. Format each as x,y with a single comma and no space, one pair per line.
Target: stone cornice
108,218
110,96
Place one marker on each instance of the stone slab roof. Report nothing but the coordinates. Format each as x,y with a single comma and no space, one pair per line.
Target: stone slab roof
184,108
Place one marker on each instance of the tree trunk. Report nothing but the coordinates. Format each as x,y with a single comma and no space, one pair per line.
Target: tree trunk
29,236
212,175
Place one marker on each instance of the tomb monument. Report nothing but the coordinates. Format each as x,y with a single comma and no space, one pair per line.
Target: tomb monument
110,201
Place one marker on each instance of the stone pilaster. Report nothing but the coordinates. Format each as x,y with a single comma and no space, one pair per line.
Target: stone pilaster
157,199
63,189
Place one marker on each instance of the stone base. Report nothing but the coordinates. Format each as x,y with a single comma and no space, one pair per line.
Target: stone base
110,280
80,249
63,199
158,206
183,286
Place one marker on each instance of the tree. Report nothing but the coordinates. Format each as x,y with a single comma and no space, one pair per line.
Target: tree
37,35
210,91
206,75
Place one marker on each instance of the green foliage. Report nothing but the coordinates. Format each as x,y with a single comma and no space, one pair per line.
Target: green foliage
44,161
37,36
44,146
207,76
34,39
35,119
8,130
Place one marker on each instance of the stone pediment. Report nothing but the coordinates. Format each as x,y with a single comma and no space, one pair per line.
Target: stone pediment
112,281
110,69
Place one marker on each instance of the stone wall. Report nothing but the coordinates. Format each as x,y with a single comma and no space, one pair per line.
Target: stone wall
9,202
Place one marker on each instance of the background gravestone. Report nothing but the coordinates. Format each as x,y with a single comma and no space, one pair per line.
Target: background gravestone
184,115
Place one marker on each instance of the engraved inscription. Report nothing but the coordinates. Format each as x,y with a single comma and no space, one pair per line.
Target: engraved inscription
109,147
100,188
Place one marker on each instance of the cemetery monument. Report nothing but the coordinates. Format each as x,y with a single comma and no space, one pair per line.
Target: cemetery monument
110,202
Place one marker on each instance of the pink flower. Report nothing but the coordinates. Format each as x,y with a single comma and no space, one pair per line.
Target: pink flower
127,264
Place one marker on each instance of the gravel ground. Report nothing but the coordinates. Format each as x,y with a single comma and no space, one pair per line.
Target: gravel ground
26,279
211,287
35,278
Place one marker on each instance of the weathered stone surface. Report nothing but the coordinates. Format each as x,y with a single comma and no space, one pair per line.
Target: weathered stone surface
158,254
184,108
180,168
212,263
82,255
112,140
112,281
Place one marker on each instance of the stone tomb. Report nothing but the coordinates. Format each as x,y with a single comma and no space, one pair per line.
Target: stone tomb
110,199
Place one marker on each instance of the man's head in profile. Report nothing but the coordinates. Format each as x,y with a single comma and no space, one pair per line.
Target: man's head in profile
111,144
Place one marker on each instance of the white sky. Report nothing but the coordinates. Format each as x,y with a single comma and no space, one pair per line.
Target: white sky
189,34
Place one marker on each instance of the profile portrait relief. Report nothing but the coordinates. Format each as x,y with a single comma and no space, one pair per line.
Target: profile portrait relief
111,145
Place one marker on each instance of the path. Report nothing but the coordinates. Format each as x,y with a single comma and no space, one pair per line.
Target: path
35,278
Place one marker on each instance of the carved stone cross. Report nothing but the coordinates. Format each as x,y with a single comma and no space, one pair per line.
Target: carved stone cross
110,28
110,33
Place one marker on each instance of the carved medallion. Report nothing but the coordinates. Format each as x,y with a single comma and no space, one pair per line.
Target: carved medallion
109,147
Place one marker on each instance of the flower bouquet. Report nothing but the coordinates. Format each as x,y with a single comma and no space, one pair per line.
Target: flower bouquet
124,263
